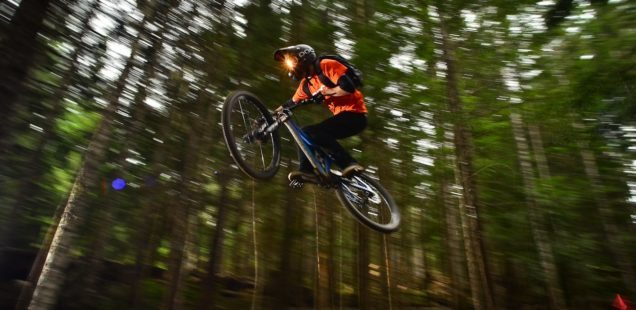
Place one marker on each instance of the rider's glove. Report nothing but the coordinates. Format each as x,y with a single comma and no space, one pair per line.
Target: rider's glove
318,98
288,104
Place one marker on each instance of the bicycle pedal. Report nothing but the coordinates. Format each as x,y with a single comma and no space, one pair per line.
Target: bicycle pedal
296,184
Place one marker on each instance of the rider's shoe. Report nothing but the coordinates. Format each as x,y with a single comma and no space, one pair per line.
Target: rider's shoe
304,176
351,170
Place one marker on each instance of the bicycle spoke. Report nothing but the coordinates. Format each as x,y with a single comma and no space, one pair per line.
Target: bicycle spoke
271,137
367,200
253,150
244,118
242,112
260,148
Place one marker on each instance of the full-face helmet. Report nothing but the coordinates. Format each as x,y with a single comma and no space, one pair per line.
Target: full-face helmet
297,59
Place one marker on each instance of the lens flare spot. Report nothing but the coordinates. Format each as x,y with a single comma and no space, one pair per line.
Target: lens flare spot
118,184
290,62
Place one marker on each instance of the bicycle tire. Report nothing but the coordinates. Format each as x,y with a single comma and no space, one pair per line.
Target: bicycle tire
391,225
245,108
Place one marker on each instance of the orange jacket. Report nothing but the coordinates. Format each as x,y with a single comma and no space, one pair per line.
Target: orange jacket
333,70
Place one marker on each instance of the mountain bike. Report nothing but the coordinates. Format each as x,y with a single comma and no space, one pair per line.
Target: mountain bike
251,135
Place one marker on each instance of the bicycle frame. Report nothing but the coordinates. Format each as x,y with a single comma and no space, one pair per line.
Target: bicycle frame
303,141
309,148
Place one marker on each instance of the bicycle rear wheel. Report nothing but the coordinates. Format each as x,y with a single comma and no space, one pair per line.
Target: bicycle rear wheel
369,203
256,154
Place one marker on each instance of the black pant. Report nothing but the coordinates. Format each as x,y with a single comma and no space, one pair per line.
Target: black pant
326,134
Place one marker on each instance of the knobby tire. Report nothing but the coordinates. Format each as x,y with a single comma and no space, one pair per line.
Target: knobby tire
393,211
233,108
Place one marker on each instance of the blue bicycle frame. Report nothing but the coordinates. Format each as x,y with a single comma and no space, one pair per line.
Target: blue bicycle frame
309,148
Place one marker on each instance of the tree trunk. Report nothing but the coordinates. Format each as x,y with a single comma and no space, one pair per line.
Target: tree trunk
149,221
331,254
616,247
36,170
322,280
15,232
17,52
452,206
103,219
537,222
257,280
292,214
538,151
387,281
240,241
363,266
454,245
477,265
207,300
177,273
173,298
36,268
148,239
448,179
52,275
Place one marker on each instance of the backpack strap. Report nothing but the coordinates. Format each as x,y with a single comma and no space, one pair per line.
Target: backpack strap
323,78
306,88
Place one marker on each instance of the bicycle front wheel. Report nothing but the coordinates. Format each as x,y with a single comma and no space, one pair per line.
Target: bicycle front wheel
369,203
255,153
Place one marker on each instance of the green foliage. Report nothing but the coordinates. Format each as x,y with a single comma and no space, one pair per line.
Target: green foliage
581,71
76,123
61,178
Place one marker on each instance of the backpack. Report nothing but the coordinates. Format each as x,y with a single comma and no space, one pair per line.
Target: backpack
352,72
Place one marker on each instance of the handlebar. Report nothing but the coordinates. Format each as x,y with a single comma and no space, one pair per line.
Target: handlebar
316,97
283,113
302,103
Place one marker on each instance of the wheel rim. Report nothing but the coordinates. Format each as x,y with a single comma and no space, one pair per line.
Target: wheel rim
367,201
257,154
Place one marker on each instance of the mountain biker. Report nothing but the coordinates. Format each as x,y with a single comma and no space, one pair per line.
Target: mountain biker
344,100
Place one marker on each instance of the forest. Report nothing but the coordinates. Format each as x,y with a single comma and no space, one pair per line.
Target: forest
504,130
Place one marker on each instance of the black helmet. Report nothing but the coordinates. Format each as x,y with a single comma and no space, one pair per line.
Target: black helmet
298,59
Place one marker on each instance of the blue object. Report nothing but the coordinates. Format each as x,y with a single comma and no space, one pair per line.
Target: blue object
118,184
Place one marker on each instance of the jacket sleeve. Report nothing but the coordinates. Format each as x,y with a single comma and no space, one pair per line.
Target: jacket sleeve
300,93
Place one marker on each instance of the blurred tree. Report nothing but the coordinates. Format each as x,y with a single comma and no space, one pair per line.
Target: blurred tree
132,136
537,221
473,238
36,171
50,280
210,282
562,9
606,215
151,217
177,272
17,51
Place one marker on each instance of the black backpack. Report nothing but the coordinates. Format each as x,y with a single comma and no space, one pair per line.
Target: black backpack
352,72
